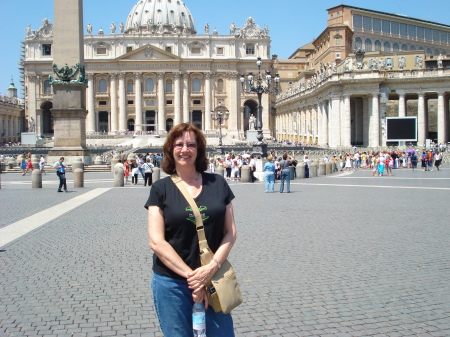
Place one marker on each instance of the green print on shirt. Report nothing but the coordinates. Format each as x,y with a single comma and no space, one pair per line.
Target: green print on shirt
191,217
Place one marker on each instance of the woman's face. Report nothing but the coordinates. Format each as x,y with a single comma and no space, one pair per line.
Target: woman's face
185,150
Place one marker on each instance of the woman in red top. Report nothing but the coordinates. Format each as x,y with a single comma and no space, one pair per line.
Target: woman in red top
29,165
126,172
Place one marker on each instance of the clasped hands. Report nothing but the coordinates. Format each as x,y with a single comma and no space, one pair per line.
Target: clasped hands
197,281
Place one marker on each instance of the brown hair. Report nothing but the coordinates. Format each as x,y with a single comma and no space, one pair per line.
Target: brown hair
168,163
285,156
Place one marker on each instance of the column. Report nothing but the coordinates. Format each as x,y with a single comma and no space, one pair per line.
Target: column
186,98
208,107
441,119
374,122
235,109
138,101
401,104
122,106
421,120
346,124
326,132
334,122
91,121
177,98
113,91
161,104
359,112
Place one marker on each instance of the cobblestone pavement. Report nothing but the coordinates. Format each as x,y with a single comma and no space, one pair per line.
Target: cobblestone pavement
342,255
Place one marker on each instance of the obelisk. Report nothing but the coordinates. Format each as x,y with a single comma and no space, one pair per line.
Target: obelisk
69,83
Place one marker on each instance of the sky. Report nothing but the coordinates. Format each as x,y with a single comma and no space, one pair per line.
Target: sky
292,23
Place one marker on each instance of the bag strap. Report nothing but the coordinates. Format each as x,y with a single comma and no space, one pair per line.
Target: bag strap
203,244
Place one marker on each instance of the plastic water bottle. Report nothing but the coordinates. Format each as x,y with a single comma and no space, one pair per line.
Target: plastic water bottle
198,320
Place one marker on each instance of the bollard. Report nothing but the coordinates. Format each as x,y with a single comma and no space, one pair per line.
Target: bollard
156,174
98,161
220,170
322,169
78,178
245,174
36,179
118,176
329,167
300,170
77,162
313,169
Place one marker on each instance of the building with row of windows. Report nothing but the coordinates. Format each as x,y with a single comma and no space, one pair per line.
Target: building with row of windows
152,72
11,116
365,66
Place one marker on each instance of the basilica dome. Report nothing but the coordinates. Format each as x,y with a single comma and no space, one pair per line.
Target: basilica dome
160,17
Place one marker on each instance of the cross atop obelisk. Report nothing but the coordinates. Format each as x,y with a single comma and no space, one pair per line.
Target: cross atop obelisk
69,83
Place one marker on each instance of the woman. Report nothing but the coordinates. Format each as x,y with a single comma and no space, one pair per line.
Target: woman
178,278
269,174
438,160
23,165
126,171
29,166
148,170
285,173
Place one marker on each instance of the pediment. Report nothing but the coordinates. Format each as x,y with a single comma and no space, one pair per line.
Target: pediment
149,53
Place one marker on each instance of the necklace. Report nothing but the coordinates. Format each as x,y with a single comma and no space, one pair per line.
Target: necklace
194,179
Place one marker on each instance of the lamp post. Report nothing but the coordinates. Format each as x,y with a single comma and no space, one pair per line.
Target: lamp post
261,86
218,115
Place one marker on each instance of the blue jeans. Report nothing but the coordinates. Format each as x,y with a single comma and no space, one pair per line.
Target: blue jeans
270,180
285,176
173,304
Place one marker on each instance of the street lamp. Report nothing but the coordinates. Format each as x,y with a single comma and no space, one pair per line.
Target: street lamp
260,86
218,115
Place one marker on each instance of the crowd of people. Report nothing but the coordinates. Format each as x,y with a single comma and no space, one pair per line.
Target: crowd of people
382,163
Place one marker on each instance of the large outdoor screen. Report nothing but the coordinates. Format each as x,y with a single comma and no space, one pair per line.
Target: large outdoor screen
401,129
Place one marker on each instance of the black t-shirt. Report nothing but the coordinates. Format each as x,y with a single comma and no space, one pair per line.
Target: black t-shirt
179,220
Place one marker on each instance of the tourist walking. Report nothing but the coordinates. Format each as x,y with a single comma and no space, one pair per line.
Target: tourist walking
134,172
212,166
252,168
269,174
61,173
126,171
285,173
437,160
423,159
23,165
42,164
179,280
413,161
148,172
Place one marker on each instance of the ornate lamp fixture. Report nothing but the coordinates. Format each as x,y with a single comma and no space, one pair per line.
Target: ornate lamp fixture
260,85
218,115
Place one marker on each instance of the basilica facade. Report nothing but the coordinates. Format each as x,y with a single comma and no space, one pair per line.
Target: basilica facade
153,71
365,66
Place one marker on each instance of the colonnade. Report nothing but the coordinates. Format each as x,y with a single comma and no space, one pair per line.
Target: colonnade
345,119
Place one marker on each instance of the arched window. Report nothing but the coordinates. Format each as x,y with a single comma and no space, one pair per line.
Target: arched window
149,85
130,87
404,47
412,47
436,52
429,51
387,46
368,45
196,85
377,45
47,88
358,43
168,86
396,47
220,85
102,85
